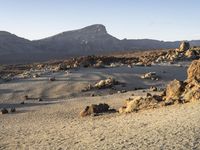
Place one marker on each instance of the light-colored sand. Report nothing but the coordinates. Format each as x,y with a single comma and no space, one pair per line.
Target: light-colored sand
45,125
58,127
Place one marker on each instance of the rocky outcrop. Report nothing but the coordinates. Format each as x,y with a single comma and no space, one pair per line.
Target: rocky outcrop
187,91
174,90
194,70
139,103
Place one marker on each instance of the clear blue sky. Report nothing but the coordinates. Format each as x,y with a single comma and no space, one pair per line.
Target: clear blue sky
134,19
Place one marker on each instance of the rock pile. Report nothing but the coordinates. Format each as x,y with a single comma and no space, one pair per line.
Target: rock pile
107,83
185,52
187,91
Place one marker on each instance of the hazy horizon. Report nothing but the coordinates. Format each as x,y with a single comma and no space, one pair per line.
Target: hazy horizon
173,20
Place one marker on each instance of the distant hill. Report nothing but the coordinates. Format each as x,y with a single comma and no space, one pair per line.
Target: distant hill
90,40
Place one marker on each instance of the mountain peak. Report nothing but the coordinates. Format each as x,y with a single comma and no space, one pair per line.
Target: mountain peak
96,28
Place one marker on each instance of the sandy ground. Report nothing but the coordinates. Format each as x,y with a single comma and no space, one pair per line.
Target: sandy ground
58,127
70,85
55,122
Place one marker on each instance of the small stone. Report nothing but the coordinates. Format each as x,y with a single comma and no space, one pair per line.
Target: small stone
26,97
22,102
39,100
149,95
52,79
12,110
153,88
4,111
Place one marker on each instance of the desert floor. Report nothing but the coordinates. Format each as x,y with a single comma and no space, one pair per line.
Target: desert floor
55,123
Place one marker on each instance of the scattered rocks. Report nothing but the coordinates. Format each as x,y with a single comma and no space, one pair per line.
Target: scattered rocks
95,109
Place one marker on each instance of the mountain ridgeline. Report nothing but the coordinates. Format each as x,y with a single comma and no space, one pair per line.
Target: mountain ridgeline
90,40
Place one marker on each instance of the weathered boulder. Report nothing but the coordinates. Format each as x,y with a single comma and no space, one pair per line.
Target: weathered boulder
174,90
184,46
192,91
193,71
138,103
95,109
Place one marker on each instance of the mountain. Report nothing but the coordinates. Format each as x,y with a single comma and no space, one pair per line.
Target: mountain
90,40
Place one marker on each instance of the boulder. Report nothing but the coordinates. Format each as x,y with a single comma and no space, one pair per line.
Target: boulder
193,71
138,103
174,90
190,54
95,109
184,46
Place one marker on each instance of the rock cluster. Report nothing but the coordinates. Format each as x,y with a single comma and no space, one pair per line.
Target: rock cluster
107,83
187,91
185,52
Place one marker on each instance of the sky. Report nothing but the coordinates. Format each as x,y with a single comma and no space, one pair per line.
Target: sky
167,20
